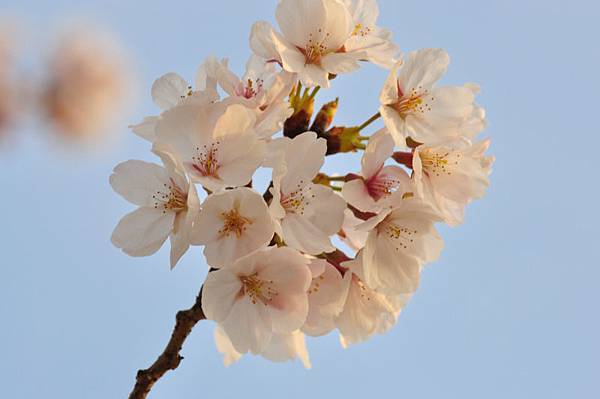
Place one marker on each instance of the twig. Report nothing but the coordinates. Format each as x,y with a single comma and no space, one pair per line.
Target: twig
170,358
369,121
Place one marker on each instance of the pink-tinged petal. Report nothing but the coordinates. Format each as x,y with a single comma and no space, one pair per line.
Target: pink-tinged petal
317,267
182,234
326,209
288,268
356,193
389,92
364,313
220,292
284,347
353,238
338,63
313,75
298,20
422,69
326,296
169,90
225,347
173,165
248,326
395,124
146,129
301,233
292,59
261,41
387,267
239,157
379,149
235,120
303,157
139,181
143,231
288,313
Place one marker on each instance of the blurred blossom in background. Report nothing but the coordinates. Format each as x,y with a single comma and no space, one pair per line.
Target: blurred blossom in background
77,84
89,84
9,84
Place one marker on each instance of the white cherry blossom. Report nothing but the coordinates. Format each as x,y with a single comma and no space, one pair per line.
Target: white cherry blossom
412,106
401,239
262,89
451,174
326,297
168,206
217,142
306,214
231,224
258,296
376,42
169,91
378,181
312,40
88,83
366,312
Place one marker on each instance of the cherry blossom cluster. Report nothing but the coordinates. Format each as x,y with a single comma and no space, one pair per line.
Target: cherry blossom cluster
276,274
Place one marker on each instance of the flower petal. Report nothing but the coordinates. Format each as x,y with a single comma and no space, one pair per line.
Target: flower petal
143,231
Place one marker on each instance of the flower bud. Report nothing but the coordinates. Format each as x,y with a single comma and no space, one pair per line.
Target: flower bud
325,117
343,139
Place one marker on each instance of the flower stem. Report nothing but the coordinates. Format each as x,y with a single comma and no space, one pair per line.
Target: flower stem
369,121
170,358
337,178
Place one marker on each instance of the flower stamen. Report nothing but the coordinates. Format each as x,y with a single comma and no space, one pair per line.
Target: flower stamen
233,223
415,102
258,290
170,199
206,161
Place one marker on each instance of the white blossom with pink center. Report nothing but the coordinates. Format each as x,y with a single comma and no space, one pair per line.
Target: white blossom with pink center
258,296
378,182
412,106
217,142
168,206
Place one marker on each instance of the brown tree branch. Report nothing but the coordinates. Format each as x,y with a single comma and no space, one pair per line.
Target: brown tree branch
170,358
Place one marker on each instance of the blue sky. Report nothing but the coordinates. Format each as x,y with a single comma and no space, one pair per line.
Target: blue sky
510,309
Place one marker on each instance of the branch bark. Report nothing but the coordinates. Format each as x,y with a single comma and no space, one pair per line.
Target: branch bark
170,358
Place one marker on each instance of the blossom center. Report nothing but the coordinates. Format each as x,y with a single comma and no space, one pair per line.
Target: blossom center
233,223
297,201
361,30
315,50
315,285
189,92
170,198
258,290
402,236
438,163
381,185
417,101
250,89
205,161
